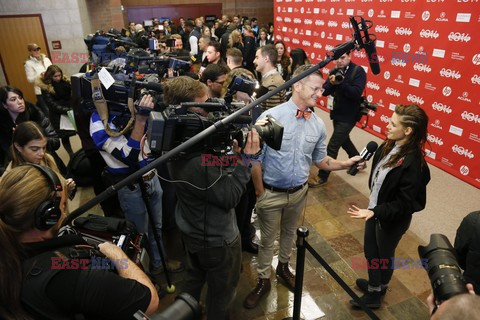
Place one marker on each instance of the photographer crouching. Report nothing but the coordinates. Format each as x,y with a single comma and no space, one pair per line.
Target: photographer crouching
208,189
38,277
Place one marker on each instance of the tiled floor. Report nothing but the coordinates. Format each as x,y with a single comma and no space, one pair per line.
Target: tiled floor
337,238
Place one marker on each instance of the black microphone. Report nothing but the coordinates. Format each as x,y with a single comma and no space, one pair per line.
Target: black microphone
370,49
155,86
366,154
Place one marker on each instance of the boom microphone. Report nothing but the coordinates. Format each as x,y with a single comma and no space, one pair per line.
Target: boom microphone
366,41
366,154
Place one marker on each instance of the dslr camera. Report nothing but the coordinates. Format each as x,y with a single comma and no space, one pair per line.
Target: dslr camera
443,268
339,74
366,106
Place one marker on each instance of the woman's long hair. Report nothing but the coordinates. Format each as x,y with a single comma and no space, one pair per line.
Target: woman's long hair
22,190
50,72
23,134
5,90
235,39
414,117
299,58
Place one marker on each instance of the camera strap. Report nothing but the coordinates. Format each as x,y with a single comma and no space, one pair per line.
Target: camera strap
102,109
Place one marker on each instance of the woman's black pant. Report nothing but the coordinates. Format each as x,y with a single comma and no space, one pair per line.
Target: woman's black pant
379,247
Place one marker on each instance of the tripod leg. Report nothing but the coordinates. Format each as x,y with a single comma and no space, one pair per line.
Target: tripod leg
156,236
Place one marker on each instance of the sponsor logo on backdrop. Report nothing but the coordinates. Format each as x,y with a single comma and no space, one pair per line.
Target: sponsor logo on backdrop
373,85
306,43
415,99
279,19
371,13
476,59
345,25
338,37
442,17
439,53
438,106
409,15
422,67
295,41
286,39
430,154
448,73
332,11
381,14
297,21
476,79
308,21
319,22
436,124
447,91
328,47
386,75
463,17
406,47
455,130
381,29
464,170
429,34
288,19
340,12
332,24
430,86
395,14
401,31
399,79
384,118
350,12
425,15
463,151
457,56
464,97
414,83
457,36
446,162
470,117
433,139
474,137
316,10
317,45
392,92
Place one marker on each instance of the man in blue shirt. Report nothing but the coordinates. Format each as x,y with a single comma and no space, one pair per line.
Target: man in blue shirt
282,186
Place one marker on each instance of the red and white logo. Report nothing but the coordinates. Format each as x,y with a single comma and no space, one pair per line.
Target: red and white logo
470,117
319,22
453,74
406,47
476,59
463,151
381,29
372,85
384,118
332,24
392,92
457,36
438,106
386,75
475,79
429,34
398,63
447,91
442,18
436,124
464,97
464,170
425,15
433,139
415,99
401,31
422,67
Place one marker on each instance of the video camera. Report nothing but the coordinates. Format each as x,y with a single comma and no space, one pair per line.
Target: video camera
176,124
443,268
185,307
101,45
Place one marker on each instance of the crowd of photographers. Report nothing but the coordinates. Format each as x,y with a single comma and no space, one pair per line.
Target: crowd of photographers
210,203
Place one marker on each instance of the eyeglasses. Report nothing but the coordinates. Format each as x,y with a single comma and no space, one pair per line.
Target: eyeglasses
220,82
37,49
315,90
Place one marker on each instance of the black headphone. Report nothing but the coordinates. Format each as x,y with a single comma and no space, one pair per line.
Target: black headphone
48,212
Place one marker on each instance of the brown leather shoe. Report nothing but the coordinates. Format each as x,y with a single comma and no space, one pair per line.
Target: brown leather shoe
315,182
284,273
254,297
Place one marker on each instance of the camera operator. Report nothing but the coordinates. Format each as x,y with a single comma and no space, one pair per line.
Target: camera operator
347,95
32,205
459,307
123,155
282,187
467,247
207,195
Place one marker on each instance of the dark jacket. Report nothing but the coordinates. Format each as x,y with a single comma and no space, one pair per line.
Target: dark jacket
249,50
57,97
467,247
403,191
346,95
31,113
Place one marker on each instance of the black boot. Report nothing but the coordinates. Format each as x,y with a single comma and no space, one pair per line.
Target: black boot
362,284
371,299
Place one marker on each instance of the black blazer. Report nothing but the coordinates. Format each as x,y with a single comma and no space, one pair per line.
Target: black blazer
403,191
346,95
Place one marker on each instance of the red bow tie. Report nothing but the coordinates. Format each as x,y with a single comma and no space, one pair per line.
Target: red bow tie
306,114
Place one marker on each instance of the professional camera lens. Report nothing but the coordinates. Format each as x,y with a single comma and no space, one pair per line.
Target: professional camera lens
271,134
339,74
443,269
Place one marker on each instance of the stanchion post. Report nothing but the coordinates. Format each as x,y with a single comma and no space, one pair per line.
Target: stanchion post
302,233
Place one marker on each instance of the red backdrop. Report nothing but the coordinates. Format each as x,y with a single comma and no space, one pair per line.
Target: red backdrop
429,53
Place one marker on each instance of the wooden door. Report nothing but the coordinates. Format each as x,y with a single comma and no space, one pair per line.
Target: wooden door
17,32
